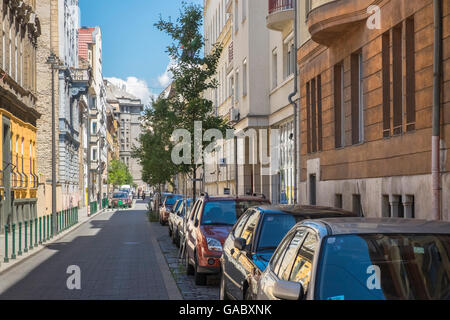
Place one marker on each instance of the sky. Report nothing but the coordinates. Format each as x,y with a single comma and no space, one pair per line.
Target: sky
134,51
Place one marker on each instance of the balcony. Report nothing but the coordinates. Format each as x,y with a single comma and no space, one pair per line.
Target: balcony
281,14
329,20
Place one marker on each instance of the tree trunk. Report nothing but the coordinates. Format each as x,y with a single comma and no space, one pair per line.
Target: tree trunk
194,184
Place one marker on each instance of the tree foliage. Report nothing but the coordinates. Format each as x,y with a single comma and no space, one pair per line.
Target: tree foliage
193,74
119,174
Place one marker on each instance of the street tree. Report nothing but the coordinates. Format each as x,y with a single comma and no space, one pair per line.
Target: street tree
193,74
119,174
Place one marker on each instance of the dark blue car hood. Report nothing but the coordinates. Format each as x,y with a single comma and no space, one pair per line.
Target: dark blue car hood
261,259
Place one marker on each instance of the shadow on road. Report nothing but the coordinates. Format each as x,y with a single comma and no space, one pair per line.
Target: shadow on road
114,253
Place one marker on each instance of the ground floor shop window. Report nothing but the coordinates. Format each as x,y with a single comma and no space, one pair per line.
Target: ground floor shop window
286,158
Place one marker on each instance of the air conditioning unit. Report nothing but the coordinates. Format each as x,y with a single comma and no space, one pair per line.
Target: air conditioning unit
234,115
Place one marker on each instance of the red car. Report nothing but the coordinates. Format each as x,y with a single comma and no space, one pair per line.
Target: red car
167,206
210,221
120,199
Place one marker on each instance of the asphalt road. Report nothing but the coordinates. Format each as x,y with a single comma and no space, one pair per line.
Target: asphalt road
117,259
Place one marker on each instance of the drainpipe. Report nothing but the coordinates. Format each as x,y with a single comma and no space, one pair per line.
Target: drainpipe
294,104
436,174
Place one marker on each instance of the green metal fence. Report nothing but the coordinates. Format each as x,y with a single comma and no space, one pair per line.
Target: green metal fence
24,236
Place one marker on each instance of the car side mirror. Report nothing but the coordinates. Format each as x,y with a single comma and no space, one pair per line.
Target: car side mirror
288,290
240,243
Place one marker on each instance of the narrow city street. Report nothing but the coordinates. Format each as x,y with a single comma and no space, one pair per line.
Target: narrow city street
118,257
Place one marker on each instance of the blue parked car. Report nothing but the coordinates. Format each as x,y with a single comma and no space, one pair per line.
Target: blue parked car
253,240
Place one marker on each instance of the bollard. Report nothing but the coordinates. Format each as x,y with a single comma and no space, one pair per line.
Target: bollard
19,253
48,228
43,229
35,233
13,255
31,234
6,259
26,237
40,230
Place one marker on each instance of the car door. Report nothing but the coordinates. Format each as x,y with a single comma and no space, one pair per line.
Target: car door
191,235
241,260
301,271
282,259
229,248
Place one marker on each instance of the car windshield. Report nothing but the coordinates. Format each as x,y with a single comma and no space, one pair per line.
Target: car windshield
225,212
177,205
119,195
170,200
273,229
384,267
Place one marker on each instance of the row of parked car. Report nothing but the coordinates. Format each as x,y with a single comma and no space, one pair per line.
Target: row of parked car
262,251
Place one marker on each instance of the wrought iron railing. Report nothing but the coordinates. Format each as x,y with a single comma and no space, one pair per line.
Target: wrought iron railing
280,5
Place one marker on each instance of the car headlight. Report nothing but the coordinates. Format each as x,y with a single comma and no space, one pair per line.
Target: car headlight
214,244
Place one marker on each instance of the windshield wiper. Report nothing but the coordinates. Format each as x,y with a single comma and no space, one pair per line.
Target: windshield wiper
217,224
266,248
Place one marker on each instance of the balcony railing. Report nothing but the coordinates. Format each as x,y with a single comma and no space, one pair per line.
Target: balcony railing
280,5
230,53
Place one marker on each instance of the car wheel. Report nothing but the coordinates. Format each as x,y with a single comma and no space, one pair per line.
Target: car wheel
223,295
174,236
199,278
248,294
177,240
189,268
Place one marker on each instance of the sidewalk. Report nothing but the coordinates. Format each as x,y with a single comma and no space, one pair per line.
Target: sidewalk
82,218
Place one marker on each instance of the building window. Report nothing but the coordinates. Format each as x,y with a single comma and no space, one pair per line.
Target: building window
289,58
286,156
236,16
237,86
357,205
244,78
410,75
397,78
338,202
314,114
339,110
398,45
357,98
94,128
386,71
94,154
274,69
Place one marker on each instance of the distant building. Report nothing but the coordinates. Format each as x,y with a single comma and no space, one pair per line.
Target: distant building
90,49
128,110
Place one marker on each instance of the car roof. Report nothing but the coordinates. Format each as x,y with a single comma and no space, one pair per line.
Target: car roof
307,211
235,198
343,226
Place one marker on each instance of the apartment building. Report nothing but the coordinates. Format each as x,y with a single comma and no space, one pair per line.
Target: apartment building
90,49
255,76
127,110
18,175
366,106
219,176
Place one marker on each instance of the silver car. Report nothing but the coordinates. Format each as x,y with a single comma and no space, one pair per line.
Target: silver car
360,259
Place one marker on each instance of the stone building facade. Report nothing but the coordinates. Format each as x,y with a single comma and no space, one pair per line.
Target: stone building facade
20,29
366,107
60,37
128,111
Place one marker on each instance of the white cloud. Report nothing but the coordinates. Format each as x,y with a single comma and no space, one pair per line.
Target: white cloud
166,78
137,87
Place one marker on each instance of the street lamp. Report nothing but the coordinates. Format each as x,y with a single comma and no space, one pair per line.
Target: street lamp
54,62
